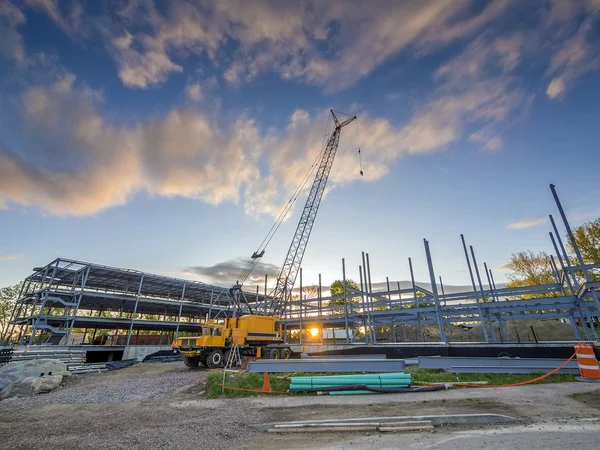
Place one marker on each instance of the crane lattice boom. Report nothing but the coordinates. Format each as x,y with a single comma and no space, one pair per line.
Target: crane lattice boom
287,277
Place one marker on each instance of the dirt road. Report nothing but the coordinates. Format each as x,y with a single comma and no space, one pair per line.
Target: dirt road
159,405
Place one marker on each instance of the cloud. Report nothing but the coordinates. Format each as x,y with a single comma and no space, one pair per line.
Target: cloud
314,42
194,92
11,43
556,88
527,223
226,273
575,52
68,15
6,258
79,163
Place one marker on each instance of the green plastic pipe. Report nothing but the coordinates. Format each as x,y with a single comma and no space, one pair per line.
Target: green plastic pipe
383,375
352,392
304,387
353,379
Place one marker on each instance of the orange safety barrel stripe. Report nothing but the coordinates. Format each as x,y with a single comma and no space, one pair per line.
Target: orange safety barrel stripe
587,362
588,350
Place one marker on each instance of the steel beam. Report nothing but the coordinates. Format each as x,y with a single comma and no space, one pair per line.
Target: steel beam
326,365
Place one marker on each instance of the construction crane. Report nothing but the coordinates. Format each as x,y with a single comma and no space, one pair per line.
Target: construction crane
260,333
289,271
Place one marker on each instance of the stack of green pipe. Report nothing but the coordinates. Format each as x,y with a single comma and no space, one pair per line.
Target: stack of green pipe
382,380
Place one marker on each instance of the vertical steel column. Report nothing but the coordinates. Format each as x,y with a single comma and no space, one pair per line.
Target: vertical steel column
493,332
345,301
485,333
412,279
364,268
364,311
320,301
373,327
301,329
589,322
586,273
137,299
83,282
210,304
444,296
45,295
569,272
582,316
387,280
501,324
180,309
442,287
435,291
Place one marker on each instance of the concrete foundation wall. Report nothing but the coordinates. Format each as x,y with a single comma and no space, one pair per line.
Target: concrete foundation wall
139,352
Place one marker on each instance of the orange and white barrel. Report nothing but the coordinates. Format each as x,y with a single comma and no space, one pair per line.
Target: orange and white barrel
587,362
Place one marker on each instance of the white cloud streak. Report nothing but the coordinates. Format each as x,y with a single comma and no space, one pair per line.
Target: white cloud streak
527,223
11,40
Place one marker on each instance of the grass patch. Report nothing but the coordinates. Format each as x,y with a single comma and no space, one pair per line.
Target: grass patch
252,381
439,376
281,381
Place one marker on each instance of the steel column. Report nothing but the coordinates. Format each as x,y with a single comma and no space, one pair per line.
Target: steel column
435,291
137,299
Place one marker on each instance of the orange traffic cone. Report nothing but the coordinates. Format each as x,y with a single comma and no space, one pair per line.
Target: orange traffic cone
266,383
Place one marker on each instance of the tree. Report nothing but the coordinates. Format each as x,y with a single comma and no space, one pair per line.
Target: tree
530,269
337,290
8,298
587,237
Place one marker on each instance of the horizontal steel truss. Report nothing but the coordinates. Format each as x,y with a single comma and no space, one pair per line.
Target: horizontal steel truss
67,294
574,296
393,308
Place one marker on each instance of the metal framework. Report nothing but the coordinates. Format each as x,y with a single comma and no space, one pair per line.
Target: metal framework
67,294
571,297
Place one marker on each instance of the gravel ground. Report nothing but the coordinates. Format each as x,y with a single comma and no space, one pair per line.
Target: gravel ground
127,408
158,405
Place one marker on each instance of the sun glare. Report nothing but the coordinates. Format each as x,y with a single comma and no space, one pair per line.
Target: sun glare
314,332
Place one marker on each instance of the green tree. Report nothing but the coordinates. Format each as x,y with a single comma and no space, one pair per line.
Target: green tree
587,237
337,290
530,269
8,298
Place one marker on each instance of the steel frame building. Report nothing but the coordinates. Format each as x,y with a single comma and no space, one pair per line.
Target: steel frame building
67,294
572,297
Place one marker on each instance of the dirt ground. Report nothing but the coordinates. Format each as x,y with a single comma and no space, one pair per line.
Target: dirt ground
160,405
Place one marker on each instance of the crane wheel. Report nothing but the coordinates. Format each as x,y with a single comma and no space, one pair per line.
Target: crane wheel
192,363
214,359
286,353
274,354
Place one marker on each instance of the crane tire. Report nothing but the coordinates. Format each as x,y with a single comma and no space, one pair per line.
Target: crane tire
214,359
286,353
274,354
192,363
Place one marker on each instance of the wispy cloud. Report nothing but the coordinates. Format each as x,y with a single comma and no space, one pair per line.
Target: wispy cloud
583,214
11,43
527,223
7,258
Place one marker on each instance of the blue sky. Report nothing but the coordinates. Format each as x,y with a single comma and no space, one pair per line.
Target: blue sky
166,136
